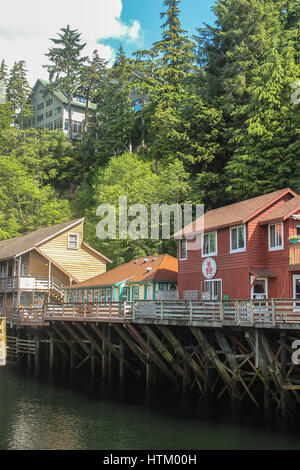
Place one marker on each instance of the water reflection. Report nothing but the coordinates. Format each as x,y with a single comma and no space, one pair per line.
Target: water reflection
40,416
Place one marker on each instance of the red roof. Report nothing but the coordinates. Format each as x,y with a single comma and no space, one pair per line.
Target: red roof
163,268
283,211
233,214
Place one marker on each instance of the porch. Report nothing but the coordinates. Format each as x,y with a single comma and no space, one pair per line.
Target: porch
294,255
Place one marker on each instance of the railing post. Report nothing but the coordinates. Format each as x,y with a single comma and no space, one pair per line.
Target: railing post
191,312
251,313
222,312
238,313
133,311
273,312
161,310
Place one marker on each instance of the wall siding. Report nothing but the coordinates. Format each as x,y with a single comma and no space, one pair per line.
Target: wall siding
234,269
81,264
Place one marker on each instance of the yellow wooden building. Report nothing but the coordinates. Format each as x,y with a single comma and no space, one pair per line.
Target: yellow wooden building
35,268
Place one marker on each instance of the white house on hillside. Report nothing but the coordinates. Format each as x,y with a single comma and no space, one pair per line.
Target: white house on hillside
51,111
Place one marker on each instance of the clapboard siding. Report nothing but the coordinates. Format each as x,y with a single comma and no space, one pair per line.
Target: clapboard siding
39,266
81,263
235,270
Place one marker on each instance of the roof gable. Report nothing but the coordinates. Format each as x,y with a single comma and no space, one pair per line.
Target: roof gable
234,214
282,212
19,245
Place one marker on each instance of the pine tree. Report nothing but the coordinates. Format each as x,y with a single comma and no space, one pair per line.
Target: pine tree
3,75
249,63
18,91
164,71
92,78
65,70
114,119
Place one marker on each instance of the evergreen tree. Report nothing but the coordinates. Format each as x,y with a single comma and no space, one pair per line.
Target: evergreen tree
3,75
92,79
114,120
66,67
18,91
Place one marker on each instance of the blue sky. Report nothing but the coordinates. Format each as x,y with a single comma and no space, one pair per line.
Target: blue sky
193,14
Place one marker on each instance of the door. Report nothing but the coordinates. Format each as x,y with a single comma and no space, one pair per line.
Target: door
296,289
149,295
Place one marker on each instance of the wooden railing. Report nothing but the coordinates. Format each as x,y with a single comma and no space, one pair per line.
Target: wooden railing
8,283
267,313
34,283
224,312
110,311
295,254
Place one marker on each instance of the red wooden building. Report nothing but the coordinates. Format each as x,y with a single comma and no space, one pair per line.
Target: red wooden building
246,250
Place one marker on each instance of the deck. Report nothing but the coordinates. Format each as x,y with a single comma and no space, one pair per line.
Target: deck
270,313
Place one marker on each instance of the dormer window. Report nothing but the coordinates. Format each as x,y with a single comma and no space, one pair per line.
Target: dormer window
209,244
238,239
73,241
276,237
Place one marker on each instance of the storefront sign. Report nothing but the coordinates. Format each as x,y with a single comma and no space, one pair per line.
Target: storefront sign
209,268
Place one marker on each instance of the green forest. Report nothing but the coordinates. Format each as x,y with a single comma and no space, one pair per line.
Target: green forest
217,124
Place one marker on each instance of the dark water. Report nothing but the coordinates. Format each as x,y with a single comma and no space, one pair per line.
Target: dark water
36,415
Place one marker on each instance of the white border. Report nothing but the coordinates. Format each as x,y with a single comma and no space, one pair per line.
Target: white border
237,250
213,253
179,249
77,242
275,248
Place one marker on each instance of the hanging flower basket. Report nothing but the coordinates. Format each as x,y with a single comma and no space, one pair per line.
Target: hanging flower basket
294,239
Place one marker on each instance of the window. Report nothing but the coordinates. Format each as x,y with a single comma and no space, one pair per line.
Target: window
183,249
276,237
40,118
49,102
48,114
298,230
125,294
237,239
163,287
259,289
213,289
135,293
209,244
40,106
58,110
73,241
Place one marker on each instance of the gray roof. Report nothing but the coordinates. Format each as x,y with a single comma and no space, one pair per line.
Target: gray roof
61,97
16,246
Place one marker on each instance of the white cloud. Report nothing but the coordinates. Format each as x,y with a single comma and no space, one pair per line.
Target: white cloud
26,26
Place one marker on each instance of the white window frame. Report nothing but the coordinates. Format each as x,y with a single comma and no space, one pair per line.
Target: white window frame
211,253
252,286
211,281
237,250
179,247
295,277
77,240
279,247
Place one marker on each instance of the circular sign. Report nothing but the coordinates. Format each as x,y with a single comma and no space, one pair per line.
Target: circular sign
209,268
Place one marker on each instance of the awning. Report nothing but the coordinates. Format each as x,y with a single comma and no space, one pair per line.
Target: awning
258,272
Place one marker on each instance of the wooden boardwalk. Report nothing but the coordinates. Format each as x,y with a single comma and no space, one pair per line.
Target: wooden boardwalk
269,313
246,350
